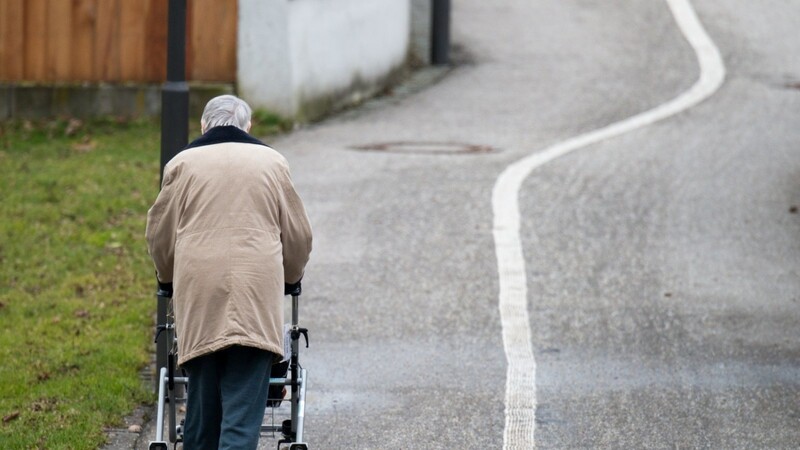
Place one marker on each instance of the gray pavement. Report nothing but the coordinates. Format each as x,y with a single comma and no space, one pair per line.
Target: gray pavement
662,265
666,271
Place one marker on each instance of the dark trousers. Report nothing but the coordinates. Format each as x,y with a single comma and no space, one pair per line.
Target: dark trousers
227,395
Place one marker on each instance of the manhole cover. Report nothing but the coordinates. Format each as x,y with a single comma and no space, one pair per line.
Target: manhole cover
429,148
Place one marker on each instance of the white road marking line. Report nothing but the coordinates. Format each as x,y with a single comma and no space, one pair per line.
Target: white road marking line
520,395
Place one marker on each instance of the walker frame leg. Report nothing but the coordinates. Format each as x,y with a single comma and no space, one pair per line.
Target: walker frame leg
292,429
159,442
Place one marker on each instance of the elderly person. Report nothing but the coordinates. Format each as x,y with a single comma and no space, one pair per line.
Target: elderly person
229,230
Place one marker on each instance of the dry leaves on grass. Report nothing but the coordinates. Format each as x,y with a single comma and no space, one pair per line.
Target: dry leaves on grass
44,405
85,145
73,126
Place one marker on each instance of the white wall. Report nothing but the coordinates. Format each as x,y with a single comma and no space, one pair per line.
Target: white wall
264,76
297,56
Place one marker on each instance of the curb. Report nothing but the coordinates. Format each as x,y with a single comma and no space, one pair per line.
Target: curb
134,433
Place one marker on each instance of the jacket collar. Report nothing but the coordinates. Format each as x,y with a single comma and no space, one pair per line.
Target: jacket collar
222,134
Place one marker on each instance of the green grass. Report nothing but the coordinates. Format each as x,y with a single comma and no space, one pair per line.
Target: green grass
266,123
76,283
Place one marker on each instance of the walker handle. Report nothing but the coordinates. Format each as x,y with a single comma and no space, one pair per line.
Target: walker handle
293,289
164,289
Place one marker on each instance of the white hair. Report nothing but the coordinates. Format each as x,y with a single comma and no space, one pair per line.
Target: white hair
227,110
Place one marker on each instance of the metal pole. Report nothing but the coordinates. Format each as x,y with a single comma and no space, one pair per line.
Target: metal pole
440,32
175,91
162,346
174,127
294,365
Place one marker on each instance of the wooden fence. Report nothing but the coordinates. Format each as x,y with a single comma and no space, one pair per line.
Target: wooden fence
52,41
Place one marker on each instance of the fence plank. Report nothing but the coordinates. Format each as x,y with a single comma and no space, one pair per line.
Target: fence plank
156,41
84,19
58,36
131,34
213,40
190,13
107,61
14,39
227,44
4,50
35,42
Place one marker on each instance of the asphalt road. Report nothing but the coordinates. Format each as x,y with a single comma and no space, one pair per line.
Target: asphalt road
662,265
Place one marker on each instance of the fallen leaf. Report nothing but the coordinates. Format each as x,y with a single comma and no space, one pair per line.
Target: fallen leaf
10,417
85,146
135,429
73,126
43,405
82,313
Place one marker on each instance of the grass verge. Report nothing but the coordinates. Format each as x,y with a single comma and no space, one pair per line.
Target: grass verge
75,297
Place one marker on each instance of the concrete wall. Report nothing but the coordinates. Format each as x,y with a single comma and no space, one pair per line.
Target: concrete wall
33,101
303,58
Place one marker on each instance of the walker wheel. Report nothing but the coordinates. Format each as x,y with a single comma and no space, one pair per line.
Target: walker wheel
298,446
286,429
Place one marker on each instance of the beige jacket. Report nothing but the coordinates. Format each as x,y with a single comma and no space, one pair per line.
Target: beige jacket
228,229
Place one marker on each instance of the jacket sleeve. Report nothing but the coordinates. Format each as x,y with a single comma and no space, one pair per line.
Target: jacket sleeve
162,228
295,231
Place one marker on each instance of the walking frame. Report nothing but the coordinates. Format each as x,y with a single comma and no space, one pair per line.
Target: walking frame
172,388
